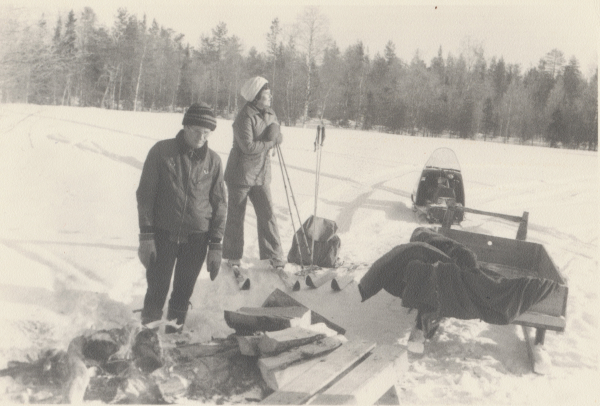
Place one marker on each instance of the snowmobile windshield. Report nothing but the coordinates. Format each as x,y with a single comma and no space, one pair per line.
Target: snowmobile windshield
443,158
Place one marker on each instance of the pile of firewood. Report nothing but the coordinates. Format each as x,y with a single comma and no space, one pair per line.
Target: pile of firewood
136,365
283,339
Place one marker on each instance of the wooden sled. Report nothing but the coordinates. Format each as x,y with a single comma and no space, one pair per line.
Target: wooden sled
513,258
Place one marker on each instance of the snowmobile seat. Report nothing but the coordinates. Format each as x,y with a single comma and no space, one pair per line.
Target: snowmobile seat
443,192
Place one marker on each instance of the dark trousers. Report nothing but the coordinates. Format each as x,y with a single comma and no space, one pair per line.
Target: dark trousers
269,243
187,260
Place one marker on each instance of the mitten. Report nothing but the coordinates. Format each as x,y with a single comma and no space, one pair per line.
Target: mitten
273,133
213,259
147,249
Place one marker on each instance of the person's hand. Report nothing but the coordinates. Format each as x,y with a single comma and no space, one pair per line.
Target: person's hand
273,133
147,249
213,259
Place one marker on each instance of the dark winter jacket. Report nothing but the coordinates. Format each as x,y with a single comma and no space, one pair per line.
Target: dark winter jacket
181,191
249,163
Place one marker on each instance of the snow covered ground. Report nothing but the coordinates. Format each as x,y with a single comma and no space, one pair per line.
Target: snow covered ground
68,243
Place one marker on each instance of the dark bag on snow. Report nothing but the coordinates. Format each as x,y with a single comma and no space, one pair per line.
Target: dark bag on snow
327,243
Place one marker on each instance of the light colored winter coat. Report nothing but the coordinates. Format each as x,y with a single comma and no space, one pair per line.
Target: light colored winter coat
249,163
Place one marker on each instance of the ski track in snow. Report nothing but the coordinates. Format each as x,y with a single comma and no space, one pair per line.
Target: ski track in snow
69,242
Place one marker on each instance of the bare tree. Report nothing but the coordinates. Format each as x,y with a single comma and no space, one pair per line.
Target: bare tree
313,38
555,60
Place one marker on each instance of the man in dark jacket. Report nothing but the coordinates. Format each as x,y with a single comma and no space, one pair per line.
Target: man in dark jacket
182,207
248,175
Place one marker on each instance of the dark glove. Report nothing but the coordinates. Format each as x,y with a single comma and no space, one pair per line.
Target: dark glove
273,133
147,249
213,259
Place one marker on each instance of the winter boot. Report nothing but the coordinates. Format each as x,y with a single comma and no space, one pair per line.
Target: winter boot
416,341
148,317
277,264
179,317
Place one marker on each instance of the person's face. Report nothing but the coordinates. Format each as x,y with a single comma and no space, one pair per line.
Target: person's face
195,136
265,99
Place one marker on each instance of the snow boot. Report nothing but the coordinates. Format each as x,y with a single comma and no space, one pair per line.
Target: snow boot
277,264
416,341
149,317
179,317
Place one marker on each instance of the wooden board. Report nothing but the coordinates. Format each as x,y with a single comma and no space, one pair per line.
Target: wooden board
273,369
279,298
513,257
300,389
278,341
369,380
250,319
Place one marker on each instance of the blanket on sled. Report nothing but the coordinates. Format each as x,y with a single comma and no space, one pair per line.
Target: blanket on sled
436,273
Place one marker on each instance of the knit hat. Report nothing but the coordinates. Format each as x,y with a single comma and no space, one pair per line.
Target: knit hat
200,114
252,86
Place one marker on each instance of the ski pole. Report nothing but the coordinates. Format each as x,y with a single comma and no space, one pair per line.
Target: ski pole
318,149
285,176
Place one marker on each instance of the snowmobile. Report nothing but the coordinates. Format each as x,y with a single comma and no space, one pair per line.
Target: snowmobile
439,187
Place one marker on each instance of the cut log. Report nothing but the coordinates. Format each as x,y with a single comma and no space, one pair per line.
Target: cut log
274,342
249,344
278,298
316,281
251,319
274,370
369,380
320,374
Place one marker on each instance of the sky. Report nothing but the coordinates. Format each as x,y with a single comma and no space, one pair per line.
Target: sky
519,31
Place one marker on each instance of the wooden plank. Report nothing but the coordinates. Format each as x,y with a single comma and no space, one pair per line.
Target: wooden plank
522,231
320,374
271,367
278,298
369,380
197,350
279,378
278,341
315,281
539,320
499,250
250,319
516,219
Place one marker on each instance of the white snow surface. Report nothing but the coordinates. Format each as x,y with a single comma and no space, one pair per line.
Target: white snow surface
69,237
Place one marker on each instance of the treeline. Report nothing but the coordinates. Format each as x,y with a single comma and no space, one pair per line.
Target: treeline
137,65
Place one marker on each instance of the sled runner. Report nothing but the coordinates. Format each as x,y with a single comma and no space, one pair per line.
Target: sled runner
439,187
518,257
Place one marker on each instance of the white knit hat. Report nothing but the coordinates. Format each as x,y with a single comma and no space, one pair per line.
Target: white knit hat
252,86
